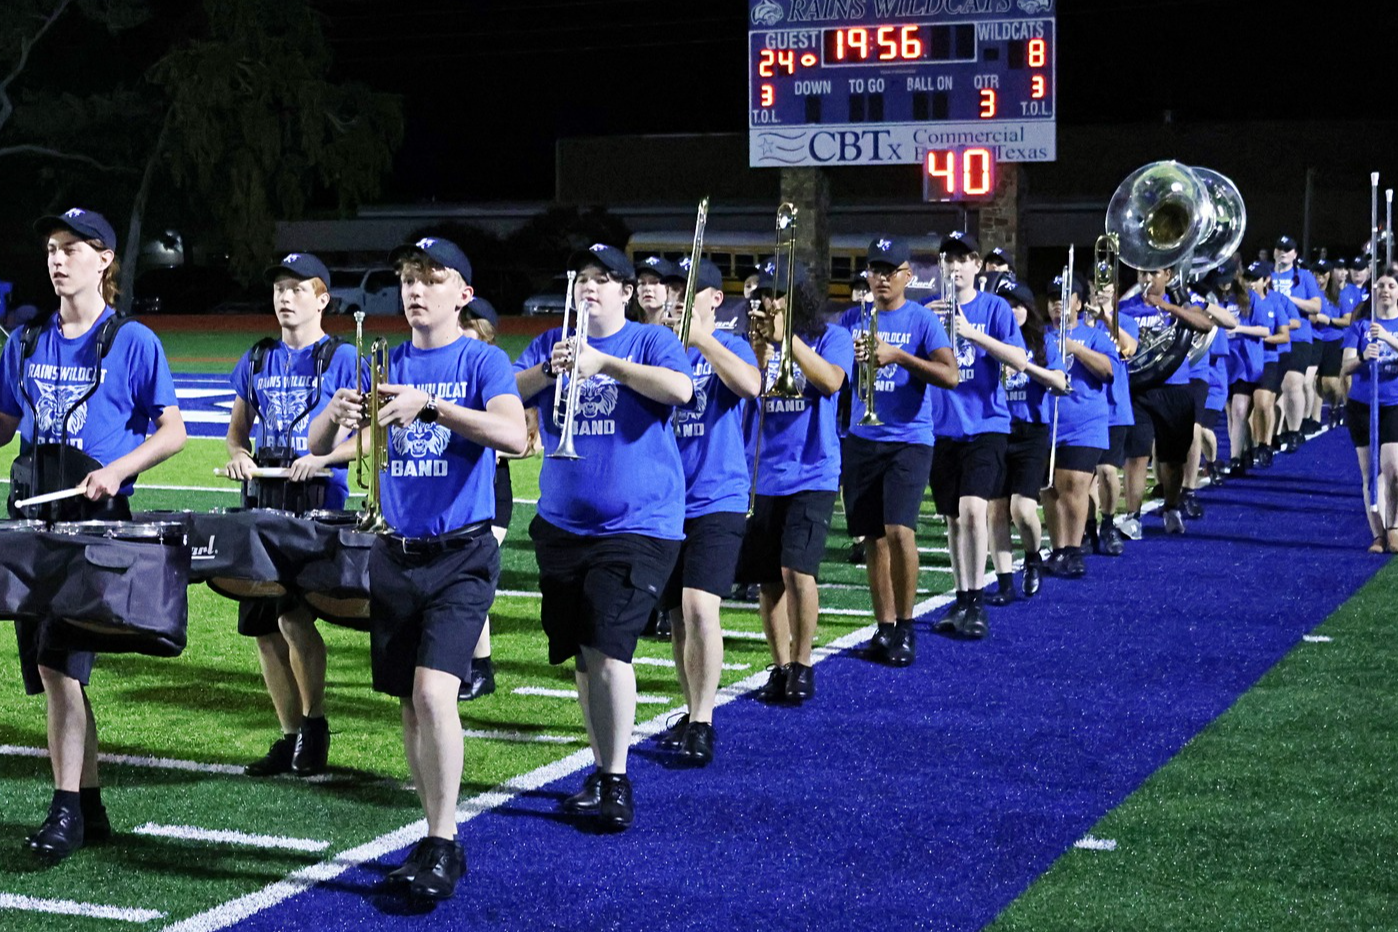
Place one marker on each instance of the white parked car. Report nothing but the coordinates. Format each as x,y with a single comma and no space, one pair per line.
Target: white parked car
375,291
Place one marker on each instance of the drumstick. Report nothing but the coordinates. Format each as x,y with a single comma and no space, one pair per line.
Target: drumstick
52,497
272,472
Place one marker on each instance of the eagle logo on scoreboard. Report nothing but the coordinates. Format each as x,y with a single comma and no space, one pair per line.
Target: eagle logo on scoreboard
769,13
1035,6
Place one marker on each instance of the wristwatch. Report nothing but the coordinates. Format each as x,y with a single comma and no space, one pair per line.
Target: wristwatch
547,368
429,412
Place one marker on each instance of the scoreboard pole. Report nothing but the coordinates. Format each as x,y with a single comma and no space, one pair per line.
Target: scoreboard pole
1001,221
809,190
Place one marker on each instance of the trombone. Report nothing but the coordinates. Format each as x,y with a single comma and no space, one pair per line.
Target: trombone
1065,295
691,284
869,371
370,519
565,402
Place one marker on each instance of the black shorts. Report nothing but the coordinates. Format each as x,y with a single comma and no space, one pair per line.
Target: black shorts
883,484
1199,392
427,606
786,531
1026,460
1271,377
1242,388
1209,418
1332,354
1168,410
708,558
1076,458
1115,454
1299,360
504,496
970,468
1357,420
598,591
260,617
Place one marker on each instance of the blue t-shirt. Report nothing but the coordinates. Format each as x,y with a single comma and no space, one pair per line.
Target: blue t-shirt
1245,353
630,479
1152,318
902,401
1218,364
1278,317
1119,391
709,431
1297,283
287,394
1361,382
1030,401
800,449
978,404
1351,296
1083,413
136,388
1329,333
437,480
1199,369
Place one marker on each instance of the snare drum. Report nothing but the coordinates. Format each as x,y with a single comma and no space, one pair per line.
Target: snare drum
21,572
231,551
336,585
121,587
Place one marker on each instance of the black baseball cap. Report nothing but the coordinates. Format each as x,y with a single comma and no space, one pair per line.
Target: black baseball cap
608,257
775,281
994,282
86,223
480,307
1322,266
998,254
440,252
709,275
1358,262
959,243
1077,286
888,250
767,265
1285,244
1017,293
300,265
1258,269
659,266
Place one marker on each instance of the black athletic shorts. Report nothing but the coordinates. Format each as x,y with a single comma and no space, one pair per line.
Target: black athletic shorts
1271,377
428,601
883,484
786,531
1242,388
1299,359
973,467
708,557
1078,458
504,496
1209,418
1357,420
1332,354
598,591
1026,460
259,617
1169,412
1115,454
29,630
1199,391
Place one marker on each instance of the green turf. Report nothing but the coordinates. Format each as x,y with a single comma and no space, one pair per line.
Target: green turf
1278,816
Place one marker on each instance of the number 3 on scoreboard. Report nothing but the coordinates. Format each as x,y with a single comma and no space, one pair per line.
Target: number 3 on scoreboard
988,104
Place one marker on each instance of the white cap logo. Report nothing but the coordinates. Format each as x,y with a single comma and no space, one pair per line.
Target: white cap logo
75,212
597,247
685,263
291,257
885,244
425,243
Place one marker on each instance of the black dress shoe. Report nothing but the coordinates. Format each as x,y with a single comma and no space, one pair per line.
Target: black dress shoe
1073,565
277,760
951,621
312,748
663,631
1237,468
1090,535
440,869
618,809
974,625
876,649
60,835
1003,595
1190,505
698,745
1113,544
405,872
587,800
673,735
1033,574
1056,563
858,553
902,648
481,683
800,683
775,690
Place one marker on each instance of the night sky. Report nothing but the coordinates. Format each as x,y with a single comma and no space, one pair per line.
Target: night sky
489,85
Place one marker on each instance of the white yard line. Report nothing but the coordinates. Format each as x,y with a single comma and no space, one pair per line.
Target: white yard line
573,694
158,763
229,837
662,662
1089,843
71,908
744,635
1316,638
520,737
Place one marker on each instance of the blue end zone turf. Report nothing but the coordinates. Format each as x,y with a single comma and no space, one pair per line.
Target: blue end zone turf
926,798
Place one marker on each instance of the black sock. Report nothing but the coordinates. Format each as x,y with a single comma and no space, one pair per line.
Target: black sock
1006,581
975,596
66,799
90,799
903,623
886,627
1033,557
961,598
316,723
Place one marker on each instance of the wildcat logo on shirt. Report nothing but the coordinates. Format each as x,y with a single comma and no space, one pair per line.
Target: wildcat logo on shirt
966,354
785,405
885,381
420,446
689,422
52,402
597,399
282,408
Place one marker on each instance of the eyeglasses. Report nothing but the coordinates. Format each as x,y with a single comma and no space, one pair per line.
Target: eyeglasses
888,274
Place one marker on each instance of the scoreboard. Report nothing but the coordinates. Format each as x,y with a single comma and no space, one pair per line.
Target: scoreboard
890,82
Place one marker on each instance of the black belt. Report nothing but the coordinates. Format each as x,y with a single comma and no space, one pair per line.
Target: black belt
441,543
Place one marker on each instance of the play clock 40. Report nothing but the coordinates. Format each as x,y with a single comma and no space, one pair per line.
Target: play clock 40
887,81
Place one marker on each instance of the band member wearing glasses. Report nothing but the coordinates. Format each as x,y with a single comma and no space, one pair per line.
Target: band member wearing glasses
885,465
610,522
972,424
280,388
45,372
451,403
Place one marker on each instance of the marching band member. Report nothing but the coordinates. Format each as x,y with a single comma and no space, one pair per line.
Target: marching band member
652,292
609,524
1299,287
884,466
1083,436
709,431
1207,386
1120,420
797,466
972,425
451,402
1330,325
281,388
1027,453
45,372
999,260
1367,340
1245,363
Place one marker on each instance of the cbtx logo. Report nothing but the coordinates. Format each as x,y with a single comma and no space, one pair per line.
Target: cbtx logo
769,13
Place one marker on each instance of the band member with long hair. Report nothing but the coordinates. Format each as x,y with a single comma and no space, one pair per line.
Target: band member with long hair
1368,340
279,390
610,522
652,292
1245,363
709,431
885,465
796,449
1299,287
1207,386
1031,399
44,372
1120,420
1330,325
972,424
450,403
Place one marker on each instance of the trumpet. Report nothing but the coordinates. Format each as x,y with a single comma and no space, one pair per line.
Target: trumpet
952,314
869,371
565,402
371,519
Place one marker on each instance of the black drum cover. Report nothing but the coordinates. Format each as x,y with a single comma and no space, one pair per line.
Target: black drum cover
336,584
250,553
21,570
60,467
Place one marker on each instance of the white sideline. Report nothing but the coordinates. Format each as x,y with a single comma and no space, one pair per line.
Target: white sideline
1317,638
158,763
71,908
228,837
1089,843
